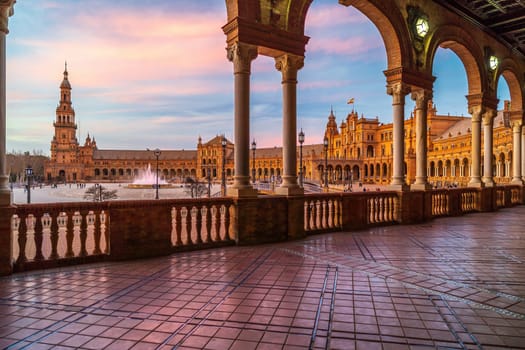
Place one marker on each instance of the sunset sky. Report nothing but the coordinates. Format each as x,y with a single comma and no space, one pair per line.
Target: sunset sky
155,74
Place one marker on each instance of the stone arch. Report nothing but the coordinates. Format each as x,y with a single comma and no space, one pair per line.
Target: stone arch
356,173
464,45
509,70
391,25
265,22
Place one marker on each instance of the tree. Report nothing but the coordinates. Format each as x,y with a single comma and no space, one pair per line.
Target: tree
195,188
98,193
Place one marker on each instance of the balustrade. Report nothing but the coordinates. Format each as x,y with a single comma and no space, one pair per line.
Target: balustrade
381,207
322,213
201,223
469,200
44,234
515,195
70,233
500,197
440,203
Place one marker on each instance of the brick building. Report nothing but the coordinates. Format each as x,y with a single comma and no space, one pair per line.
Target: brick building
360,149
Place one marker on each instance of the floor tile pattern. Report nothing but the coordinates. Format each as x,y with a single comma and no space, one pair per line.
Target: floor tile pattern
452,283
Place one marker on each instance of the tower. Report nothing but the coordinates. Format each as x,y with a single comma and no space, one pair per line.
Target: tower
64,146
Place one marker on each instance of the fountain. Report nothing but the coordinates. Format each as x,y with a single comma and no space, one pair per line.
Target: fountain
147,179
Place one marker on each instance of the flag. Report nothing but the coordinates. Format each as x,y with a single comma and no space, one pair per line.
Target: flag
350,101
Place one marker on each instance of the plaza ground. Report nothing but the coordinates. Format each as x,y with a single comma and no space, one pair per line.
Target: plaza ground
451,283
72,193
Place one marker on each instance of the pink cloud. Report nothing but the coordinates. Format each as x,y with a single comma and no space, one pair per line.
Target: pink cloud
351,46
322,84
330,15
134,47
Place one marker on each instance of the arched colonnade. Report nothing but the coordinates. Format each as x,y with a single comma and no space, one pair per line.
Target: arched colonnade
411,35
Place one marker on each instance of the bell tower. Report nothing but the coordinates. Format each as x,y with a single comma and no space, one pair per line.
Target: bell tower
64,146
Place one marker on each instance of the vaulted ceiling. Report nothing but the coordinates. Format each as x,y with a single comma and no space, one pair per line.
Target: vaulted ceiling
504,18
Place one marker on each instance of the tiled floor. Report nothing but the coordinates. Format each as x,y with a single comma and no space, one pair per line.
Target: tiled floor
453,283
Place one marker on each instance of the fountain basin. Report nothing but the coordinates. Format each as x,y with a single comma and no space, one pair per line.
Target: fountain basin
146,186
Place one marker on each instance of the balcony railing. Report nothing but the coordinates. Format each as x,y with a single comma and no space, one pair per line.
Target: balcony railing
58,234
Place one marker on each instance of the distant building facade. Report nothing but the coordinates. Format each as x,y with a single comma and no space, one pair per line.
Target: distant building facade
360,150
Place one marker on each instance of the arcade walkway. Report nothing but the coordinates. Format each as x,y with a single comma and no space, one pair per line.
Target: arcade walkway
454,283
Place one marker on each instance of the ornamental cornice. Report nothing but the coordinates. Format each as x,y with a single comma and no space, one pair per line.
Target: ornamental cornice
482,99
6,10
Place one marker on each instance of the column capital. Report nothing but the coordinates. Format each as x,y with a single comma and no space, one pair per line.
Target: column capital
516,125
476,112
6,10
398,92
288,65
488,116
421,97
242,56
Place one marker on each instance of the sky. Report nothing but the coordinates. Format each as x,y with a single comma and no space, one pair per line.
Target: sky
155,74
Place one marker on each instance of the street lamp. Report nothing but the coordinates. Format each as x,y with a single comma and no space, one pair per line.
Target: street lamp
301,141
223,144
29,174
254,146
325,145
208,173
156,152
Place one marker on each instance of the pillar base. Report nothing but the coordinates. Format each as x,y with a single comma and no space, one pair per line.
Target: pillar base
489,182
421,187
398,187
517,181
6,240
289,191
6,198
248,192
476,184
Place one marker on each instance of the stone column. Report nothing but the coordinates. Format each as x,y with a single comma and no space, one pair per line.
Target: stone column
6,209
288,65
488,137
475,169
398,92
421,97
523,153
242,55
516,154
5,192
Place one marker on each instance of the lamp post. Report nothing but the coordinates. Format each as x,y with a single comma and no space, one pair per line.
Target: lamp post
157,153
301,141
208,173
325,145
29,174
254,146
223,144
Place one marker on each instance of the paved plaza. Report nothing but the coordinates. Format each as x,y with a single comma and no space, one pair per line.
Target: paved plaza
452,283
